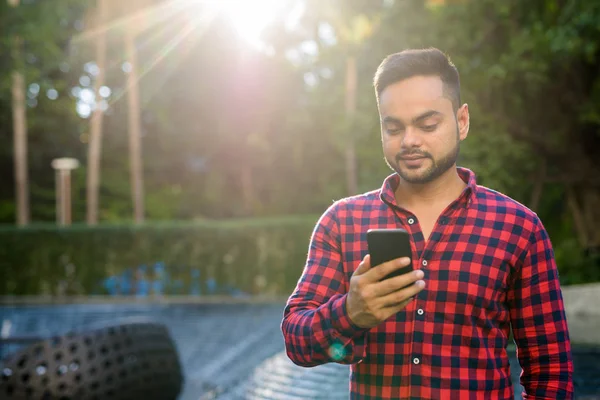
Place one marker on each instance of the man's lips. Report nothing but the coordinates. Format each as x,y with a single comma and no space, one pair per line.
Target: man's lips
412,158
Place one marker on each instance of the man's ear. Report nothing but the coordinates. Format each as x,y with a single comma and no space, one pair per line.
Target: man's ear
462,118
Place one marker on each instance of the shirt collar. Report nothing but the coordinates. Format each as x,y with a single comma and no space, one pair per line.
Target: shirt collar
466,198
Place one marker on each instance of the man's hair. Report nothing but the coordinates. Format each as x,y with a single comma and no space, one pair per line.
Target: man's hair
419,62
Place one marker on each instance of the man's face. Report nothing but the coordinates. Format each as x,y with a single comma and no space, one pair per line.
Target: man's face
420,131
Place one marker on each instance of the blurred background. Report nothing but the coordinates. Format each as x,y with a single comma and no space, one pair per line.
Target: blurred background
184,149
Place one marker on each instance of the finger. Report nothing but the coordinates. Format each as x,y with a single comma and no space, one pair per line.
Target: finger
387,286
395,308
381,271
364,266
399,296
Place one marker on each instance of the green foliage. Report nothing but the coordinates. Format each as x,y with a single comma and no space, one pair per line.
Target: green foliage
229,131
255,256
575,267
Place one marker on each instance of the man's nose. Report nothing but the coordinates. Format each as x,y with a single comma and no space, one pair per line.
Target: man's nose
411,138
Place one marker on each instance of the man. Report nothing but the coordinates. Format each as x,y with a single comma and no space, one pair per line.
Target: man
482,263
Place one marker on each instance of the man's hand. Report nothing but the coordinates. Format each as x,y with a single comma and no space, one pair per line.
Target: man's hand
371,300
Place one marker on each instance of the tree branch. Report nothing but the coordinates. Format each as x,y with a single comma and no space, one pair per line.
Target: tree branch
538,186
591,210
578,218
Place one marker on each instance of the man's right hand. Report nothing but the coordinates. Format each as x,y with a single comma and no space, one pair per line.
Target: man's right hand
372,300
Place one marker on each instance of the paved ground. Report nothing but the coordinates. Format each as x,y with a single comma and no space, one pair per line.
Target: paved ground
230,351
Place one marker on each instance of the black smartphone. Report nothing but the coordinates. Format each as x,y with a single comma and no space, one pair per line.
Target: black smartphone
389,244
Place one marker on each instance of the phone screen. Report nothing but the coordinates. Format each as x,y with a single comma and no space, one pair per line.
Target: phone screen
389,244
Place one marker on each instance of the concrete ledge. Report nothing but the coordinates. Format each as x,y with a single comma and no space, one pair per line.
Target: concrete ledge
582,306
582,300
163,300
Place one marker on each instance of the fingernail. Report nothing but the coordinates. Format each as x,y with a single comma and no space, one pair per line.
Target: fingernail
405,260
420,284
419,274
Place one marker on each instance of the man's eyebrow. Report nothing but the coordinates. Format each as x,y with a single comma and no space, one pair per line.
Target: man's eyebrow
416,120
392,120
425,115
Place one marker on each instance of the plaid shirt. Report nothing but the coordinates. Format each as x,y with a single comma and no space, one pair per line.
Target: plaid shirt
488,265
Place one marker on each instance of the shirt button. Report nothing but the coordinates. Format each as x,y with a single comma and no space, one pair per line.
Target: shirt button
420,311
411,221
416,361
424,263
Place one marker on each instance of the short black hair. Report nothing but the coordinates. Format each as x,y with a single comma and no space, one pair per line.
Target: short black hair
419,62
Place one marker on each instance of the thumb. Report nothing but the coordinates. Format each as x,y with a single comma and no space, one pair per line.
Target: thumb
364,266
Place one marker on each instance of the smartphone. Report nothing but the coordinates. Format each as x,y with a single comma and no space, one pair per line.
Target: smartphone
389,244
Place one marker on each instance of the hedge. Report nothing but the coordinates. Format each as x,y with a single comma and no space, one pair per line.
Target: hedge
255,256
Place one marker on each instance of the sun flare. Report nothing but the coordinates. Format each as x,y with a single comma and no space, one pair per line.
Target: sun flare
249,17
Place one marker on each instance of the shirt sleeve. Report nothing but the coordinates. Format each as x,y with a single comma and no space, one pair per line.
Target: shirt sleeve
539,323
316,326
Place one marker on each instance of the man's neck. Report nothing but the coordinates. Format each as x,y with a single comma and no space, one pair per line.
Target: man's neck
438,193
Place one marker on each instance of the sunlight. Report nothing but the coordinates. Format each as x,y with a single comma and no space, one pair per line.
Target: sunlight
249,18
180,19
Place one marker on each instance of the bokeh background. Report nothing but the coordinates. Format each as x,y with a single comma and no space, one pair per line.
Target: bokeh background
202,111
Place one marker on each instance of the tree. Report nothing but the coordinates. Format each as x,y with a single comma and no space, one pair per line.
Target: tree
352,23
20,130
135,135
95,143
45,30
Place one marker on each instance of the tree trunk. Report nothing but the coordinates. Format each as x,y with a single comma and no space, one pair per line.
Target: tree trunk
20,148
247,181
578,217
538,186
95,146
135,150
19,116
591,207
584,205
351,167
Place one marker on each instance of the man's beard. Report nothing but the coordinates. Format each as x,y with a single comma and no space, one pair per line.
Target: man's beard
437,168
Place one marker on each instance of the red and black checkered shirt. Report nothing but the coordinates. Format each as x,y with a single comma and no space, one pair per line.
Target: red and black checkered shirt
488,265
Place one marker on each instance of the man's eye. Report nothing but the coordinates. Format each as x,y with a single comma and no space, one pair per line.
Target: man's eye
429,128
393,129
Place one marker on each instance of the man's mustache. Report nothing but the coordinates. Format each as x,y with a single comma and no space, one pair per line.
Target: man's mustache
411,154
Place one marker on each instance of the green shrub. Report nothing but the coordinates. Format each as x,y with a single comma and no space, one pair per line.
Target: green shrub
575,265
255,256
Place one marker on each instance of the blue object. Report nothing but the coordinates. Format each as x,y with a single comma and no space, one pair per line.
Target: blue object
195,285
111,285
142,285
211,285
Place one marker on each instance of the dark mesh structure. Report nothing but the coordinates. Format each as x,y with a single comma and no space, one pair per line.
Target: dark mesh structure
125,361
